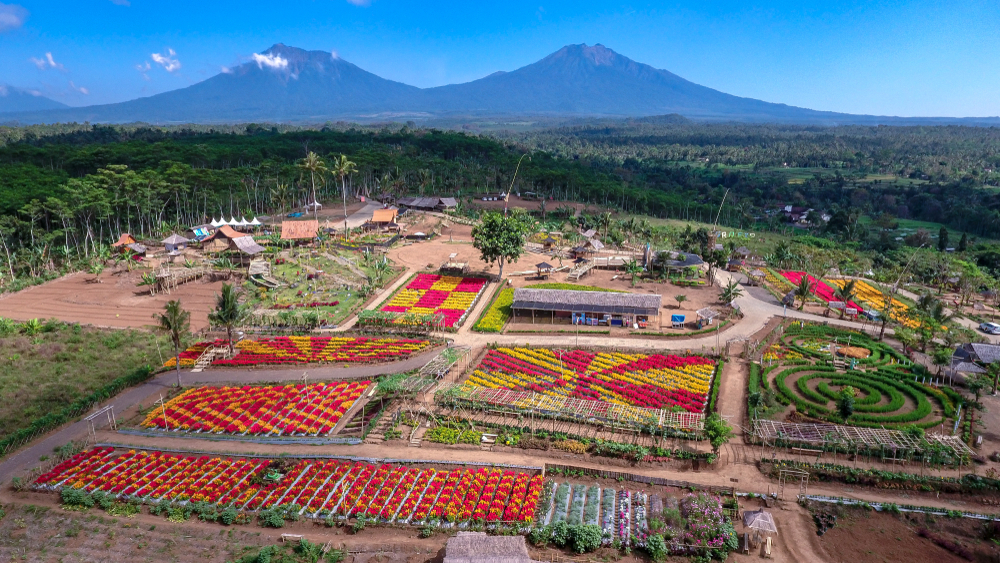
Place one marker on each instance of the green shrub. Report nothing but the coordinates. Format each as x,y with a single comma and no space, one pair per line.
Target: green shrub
76,498
585,538
270,519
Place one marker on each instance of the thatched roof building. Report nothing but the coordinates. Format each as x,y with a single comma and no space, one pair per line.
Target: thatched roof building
579,307
299,230
477,547
123,239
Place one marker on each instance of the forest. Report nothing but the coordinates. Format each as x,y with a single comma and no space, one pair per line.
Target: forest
66,191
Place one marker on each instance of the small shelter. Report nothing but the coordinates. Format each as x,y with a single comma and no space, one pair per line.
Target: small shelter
735,264
123,240
588,234
586,307
221,240
761,522
741,252
247,245
175,242
706,316
548,241
756,277
543,269
447,203
216,223
384,218
137,249
299,230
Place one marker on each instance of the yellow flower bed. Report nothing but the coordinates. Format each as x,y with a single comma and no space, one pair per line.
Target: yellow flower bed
874,299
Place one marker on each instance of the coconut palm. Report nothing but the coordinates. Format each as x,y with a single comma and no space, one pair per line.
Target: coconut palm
846,294
315,166
633,268
342,168
228,311
176,322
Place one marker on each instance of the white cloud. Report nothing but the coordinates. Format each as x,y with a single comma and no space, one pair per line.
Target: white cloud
79,89
144,67
3,90
168,61
227,70
12,16
362,3
334,55
270,61
121,2
47,62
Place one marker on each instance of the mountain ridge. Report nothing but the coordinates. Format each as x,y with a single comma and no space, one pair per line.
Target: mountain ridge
288,84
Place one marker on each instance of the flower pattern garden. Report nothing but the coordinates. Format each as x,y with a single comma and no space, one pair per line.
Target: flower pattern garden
643,380
280,350
890,392
451,297
316,488
285,410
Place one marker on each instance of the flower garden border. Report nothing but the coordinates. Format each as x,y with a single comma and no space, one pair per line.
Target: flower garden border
465,316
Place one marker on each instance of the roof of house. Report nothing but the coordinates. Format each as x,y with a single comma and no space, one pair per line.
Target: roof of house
124,239
225,231
543,266
596,244
136,247
477,547
680,259
247,245
296,230
742,251
589,233
384,215
966,367
586,301
424,202
175,239
449,202
976,352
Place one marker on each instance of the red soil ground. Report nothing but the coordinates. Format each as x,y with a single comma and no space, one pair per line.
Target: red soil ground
115,302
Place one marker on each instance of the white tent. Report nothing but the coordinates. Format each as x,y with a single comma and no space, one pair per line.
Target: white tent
217,223
243,222
233,222
255,222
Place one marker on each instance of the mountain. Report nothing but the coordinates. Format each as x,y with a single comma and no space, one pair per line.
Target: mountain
15,99
289,84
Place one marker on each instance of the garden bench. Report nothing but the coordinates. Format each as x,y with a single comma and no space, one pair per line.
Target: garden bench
290,537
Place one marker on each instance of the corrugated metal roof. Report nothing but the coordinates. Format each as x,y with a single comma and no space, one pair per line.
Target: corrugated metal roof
247,245
586,301
449,202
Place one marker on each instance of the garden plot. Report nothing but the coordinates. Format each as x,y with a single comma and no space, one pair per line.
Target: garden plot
448,297
643,380
293,350
313,488
285,410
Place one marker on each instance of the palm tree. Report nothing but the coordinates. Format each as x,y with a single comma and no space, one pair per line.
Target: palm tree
605,219
228,311
803,290
280,194
176,322
343,168
313,164
846,294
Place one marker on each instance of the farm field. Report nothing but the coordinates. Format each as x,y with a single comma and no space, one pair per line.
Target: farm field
649,381
286,410
291,350
317,488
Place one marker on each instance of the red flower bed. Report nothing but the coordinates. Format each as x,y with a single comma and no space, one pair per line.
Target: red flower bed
819,288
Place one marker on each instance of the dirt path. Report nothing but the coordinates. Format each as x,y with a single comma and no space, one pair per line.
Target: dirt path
732,393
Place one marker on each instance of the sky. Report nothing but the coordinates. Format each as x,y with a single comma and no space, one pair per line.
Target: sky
905,57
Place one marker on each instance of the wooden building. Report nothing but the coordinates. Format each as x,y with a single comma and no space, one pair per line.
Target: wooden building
586,307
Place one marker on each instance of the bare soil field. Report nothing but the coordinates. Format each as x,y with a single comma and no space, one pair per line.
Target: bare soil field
115,302
433,253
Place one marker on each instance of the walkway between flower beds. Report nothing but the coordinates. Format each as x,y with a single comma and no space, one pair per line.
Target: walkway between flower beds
27,458
748,477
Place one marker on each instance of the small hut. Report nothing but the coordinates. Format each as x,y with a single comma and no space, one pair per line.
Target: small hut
221,240
384,218
123,240
549,241
478,547
543,269
175,242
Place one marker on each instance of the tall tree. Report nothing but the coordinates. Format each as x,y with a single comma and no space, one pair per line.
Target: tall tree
963,243
942,239
343,168
847,293
803,290
500,239
176,322
228,312
315,166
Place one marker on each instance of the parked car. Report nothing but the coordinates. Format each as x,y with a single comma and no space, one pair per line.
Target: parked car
990,328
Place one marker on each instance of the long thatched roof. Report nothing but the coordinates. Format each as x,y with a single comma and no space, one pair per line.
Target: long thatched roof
477,547
586,301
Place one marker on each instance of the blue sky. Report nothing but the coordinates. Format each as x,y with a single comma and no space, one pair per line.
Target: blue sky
911,58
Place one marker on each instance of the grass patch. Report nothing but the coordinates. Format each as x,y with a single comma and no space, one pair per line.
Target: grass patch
43,372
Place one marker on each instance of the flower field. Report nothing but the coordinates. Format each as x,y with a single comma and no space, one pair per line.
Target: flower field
642,380
819,287
319,488
286,410
307,350
874,299
449,296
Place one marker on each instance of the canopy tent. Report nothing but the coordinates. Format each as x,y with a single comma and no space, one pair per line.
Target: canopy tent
242,222
217,222
760,521
255,223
